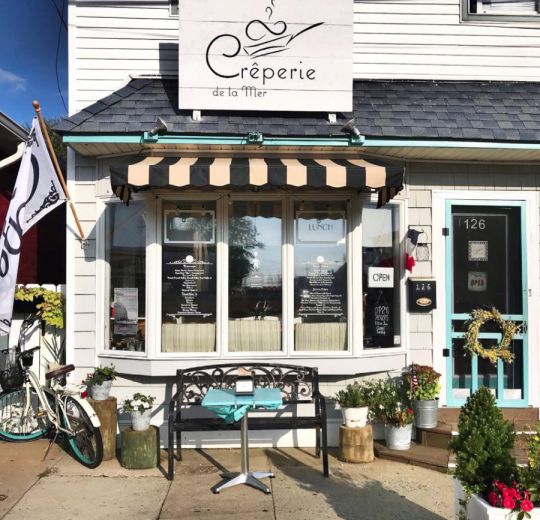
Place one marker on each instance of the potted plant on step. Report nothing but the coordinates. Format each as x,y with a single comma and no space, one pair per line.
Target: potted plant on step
487,478
353,406
140,408
100,382
398,426
423,387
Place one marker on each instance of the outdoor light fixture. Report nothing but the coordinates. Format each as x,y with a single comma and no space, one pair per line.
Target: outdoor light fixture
350,128
159,126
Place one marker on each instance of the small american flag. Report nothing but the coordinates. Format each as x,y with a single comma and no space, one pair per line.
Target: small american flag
414,379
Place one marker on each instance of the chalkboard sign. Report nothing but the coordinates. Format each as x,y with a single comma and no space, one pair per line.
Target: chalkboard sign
422,295
379,326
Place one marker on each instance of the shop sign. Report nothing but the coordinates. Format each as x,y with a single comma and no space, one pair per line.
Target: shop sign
381,277
314,229
477,281
294,55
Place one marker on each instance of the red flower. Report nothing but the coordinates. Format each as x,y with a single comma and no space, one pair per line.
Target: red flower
500,486
514,493
492,498
526,505
509,503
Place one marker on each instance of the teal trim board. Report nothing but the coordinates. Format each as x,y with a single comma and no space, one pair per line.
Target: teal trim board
296,141
499,379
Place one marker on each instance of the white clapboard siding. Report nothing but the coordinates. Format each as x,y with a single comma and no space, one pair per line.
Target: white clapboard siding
402,39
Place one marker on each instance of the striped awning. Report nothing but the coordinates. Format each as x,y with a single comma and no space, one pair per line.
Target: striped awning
221,172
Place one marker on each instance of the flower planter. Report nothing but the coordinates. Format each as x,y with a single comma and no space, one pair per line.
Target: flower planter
398,437
101,392
479,509
355,417
425,413
141,421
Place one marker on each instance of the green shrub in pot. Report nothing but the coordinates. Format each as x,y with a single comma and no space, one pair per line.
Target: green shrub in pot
353,406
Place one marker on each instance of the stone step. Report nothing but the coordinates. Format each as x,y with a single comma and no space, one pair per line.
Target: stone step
418,455
437,437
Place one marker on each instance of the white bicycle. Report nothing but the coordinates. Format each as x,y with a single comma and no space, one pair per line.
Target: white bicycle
30,411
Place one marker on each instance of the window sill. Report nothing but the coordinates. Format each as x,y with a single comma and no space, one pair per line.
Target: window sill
366,363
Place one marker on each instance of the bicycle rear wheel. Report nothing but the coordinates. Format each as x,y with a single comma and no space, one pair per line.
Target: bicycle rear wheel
15,424
86,443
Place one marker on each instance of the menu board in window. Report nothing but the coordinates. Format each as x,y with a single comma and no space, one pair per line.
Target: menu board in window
189,285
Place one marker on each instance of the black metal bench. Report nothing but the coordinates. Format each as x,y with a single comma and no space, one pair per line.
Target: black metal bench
299,385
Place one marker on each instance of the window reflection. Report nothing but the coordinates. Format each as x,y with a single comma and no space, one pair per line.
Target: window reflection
381,259
320,276
255,276
125,254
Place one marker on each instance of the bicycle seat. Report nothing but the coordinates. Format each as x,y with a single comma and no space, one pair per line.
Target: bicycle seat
59,372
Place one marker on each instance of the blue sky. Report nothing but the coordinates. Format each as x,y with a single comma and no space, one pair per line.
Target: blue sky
29,31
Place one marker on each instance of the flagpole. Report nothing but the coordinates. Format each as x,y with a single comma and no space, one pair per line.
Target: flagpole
57,166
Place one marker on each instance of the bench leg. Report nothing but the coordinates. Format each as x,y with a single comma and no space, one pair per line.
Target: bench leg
178,445
318,441
326,471
170,457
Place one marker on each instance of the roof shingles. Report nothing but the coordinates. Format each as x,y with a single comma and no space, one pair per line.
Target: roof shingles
393,109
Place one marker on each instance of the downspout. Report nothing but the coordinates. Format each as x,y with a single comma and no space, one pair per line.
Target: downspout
13,158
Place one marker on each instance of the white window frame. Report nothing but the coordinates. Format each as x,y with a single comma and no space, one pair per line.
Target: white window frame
505,17
154,202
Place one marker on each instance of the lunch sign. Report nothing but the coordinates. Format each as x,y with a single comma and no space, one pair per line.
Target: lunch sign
289,55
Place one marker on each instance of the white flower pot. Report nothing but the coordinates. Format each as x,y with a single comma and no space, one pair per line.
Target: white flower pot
101,392
479,509
141,421
355,417
398,437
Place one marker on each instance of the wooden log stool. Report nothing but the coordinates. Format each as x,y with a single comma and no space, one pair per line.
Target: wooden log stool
356,444
107,412
139,448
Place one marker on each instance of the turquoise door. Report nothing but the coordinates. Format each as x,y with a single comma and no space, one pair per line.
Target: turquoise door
485,268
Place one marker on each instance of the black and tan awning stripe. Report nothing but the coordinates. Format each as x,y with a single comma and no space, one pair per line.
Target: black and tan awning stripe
221,172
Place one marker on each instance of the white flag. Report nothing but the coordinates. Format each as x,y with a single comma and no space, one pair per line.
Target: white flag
37,192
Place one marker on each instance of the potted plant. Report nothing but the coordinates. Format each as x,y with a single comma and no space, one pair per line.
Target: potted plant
377,395
100,382
485,469
353,406
398,426
140,408
423,387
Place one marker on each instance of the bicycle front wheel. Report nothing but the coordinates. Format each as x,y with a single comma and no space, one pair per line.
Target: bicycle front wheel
85,442
21,421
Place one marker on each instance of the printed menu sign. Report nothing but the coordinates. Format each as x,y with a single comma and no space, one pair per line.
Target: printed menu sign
187,279
320,296
126,310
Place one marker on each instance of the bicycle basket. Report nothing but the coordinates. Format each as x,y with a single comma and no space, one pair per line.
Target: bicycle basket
11,373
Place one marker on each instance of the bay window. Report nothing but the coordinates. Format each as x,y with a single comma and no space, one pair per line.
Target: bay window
500,10
252,275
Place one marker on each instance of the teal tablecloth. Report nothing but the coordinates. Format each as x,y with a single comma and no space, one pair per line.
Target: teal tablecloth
231,407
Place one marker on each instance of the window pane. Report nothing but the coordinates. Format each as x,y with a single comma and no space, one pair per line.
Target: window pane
503,7
320,276
380,276
255,293
125,253
188,305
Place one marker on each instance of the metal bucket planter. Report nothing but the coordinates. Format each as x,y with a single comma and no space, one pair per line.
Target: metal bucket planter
398,437
101,392
141,421
425,413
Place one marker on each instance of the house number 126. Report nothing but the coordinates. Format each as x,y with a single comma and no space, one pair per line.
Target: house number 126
475,223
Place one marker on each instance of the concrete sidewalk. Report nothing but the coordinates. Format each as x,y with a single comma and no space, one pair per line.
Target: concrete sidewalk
62,488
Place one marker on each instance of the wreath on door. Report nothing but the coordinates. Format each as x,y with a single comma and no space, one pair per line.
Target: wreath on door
500,351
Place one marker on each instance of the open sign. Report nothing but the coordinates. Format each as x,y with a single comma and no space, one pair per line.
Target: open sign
379,277
477,281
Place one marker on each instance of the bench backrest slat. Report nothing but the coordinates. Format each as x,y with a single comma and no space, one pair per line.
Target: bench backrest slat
297,383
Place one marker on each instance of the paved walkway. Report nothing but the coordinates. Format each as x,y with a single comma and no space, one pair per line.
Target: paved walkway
62,488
